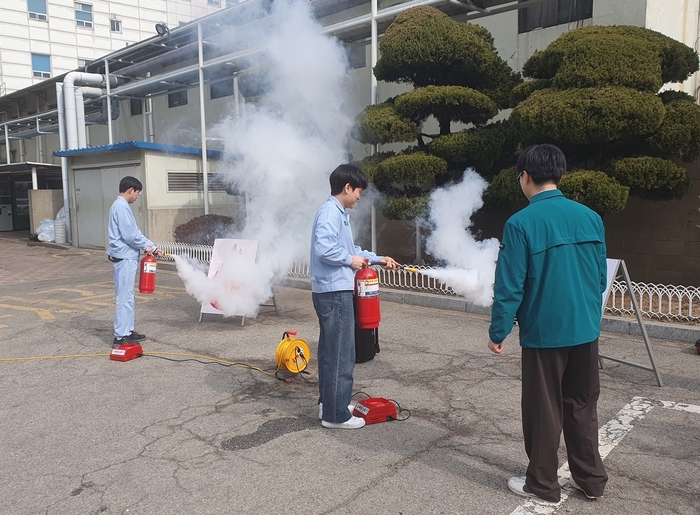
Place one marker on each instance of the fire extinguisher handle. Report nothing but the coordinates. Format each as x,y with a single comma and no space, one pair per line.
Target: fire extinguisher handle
291,333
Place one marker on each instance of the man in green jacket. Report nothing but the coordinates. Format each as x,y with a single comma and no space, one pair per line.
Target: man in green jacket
551,273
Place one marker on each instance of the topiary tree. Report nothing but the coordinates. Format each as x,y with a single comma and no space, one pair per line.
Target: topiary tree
457,76
595,94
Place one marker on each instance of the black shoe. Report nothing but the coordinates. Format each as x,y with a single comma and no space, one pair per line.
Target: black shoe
121,341
137,336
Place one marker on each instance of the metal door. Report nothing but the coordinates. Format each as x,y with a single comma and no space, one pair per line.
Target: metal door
6,217
91,219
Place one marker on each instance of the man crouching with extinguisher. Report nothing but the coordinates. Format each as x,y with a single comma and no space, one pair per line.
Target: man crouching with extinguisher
125,243
334,260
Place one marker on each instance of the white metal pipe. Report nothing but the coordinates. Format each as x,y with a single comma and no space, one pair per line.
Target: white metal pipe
64,160
35,181
151,128
236,99
69,113
203,121
8,159
109,105
80,94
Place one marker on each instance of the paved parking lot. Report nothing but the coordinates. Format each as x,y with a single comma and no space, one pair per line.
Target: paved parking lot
87,435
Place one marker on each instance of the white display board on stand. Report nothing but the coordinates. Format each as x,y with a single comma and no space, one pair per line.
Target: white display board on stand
614,267
248,250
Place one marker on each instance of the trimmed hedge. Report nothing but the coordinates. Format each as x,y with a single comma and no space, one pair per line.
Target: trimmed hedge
404,208
504,190
628,56
381,124
409,170
524,90
450,103
597,190
587,116
652,178
424,47
485,143
679,134
203,230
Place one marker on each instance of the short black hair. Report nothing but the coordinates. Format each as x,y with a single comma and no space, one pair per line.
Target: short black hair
347,174
129,182
544,163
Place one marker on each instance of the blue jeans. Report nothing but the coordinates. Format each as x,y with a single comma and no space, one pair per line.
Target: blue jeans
124,276
336,352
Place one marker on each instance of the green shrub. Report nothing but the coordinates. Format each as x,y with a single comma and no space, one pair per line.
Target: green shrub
679,134
203,230
450,103
381,124
474,144
671,95
504,190
652,178
596,190
524,90
404,208
409,170
424,47
587,116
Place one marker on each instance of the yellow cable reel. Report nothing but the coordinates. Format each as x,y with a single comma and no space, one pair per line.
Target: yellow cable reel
292,354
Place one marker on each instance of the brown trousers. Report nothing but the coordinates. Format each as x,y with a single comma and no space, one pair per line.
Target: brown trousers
561,387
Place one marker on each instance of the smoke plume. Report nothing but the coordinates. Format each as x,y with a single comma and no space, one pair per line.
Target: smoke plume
471,264
281,153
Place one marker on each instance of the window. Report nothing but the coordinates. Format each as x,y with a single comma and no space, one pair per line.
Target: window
82,63
357,55
37,9
549,14
135,106
215,3
221,89
83,15
179,98
115,25
41,66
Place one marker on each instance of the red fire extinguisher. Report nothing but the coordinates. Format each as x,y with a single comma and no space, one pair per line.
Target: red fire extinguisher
367,297
147,277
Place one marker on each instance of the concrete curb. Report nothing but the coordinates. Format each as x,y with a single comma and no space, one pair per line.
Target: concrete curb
661,330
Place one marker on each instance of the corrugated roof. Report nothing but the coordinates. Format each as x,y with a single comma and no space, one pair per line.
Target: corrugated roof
125,146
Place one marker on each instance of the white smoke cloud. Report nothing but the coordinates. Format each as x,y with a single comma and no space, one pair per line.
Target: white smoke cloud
471,264
282,152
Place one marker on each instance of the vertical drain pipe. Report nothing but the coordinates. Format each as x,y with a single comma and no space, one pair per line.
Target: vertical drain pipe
80,93
64,160
203,121
109,104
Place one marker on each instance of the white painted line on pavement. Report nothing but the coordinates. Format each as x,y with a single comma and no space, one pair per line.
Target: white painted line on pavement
609,436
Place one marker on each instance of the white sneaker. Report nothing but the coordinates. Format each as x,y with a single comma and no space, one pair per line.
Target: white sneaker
352,423
517,485
574,484
320,409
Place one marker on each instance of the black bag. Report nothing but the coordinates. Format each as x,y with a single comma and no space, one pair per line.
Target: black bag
366,343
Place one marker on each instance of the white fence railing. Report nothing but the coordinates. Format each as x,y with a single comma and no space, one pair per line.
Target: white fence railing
656,301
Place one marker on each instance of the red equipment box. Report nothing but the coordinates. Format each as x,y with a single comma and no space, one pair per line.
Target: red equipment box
126,352
375,410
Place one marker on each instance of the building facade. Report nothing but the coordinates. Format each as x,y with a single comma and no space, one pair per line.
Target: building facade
40,39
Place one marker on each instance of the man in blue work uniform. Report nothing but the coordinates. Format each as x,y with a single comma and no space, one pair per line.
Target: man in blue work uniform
125,243
551,273
334,260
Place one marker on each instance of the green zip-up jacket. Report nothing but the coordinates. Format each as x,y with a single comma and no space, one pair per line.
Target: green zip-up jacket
551,272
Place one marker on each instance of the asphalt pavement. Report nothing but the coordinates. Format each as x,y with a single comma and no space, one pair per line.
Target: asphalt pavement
184,430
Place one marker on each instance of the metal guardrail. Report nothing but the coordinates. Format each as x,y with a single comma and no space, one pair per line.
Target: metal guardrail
656,301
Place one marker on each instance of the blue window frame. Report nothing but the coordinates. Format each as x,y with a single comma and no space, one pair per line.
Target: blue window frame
41,66
83,15
36,9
